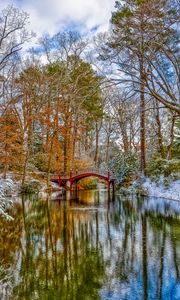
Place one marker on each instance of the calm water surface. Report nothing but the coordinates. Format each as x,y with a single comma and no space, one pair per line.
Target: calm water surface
91,249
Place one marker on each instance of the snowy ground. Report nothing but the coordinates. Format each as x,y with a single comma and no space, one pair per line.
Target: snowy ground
172,191
7,189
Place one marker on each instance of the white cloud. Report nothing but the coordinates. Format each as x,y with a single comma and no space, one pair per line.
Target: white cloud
52,15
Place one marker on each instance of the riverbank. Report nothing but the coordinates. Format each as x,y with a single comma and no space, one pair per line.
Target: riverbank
171,191
11,188
160,189
8,190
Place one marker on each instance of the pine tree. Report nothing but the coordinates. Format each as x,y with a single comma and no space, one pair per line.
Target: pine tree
139,30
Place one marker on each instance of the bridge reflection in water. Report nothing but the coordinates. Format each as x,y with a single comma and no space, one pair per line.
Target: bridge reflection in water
85,195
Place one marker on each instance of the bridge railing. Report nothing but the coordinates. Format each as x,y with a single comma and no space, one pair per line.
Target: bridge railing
81,171
90,170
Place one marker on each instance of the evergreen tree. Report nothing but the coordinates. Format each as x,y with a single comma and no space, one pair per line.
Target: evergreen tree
139,29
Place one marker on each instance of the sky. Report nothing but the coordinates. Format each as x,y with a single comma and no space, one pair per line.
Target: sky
52,16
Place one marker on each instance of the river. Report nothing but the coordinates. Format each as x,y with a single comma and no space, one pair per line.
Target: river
93,248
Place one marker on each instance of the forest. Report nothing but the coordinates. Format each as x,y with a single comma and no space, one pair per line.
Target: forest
105,105
109,100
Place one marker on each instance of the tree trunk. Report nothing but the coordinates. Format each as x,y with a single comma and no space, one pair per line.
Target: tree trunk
96,157
169,148
74,140
50,160
26,151
47,126
6,166
31,137
123,127
125,140
159,130
25,167
142,124
107,148
6,163
65,144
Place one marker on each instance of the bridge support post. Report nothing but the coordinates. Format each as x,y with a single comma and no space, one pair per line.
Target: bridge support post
113,197
109,183
59,180
70,185
70,180
109,194
76,186
108,175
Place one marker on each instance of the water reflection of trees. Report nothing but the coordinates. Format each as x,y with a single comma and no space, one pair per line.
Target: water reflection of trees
10,244
128,250
147,259
61,259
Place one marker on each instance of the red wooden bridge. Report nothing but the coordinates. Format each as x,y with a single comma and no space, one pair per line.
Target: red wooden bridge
68,181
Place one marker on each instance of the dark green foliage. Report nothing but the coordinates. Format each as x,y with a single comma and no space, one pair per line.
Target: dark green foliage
30,187
135,189
176,145
159,166
124,167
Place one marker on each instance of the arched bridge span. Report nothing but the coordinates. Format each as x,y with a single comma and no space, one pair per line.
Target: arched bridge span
68,182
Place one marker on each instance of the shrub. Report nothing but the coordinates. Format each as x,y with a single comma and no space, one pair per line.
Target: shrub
172,167
158,167
124,167
30,187
41,162
135,189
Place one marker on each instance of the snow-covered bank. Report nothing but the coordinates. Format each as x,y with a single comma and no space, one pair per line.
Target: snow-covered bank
7,189
172,191
163,188
10,190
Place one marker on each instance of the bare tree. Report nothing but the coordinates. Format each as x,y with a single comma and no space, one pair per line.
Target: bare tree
13,34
